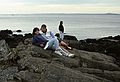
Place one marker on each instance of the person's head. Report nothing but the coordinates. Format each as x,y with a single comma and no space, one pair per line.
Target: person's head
61,22
35,31
44,28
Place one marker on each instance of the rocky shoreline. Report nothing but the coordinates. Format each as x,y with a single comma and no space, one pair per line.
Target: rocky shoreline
96,60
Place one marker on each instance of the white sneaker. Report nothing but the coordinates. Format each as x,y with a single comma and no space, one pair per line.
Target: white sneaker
58,52
71,55
68,54
46,46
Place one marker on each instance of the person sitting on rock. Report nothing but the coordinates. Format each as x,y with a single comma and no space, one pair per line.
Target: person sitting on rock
37,39
49,35
41,41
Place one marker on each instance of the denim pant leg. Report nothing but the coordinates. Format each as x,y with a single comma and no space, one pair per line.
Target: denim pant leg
53,43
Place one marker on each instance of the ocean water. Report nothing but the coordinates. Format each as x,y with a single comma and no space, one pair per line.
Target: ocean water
81,25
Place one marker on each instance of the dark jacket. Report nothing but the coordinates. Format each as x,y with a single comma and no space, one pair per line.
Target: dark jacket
39,39
61,28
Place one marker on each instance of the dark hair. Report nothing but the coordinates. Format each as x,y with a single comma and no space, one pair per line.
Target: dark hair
43,26
61,22
34,30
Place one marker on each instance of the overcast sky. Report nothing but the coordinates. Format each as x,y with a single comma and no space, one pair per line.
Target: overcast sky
59,6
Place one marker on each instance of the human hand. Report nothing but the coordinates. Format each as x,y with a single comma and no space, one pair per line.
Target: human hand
41,45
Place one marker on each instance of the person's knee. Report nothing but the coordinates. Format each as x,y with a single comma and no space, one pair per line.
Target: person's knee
55,39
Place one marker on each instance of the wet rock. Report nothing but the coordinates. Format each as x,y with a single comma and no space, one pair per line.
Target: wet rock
90,40
29,35
113,37
117,37
18,30
67,37
73,44
6,31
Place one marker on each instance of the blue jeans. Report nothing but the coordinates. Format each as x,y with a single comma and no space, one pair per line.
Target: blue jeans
52,44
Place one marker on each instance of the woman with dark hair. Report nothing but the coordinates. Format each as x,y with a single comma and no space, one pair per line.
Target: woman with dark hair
38,40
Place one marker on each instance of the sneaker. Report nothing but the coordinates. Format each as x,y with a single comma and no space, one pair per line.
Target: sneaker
68,54
71,55
46,46
58,52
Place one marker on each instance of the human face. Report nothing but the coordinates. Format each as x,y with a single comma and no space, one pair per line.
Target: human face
36,32
44,30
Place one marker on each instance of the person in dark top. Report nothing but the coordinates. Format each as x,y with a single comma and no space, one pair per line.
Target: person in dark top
38,40
61,30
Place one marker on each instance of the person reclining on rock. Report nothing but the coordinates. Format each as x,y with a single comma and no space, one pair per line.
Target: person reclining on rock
39,40
49,35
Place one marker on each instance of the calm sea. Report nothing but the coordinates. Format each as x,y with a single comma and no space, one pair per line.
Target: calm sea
81,25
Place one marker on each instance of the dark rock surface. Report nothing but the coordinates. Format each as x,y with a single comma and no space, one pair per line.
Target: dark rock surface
67,37
108,45
18,30
6,31
34,64
20,61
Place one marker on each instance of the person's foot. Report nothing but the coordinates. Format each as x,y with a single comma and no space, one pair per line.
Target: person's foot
46,46
69,48
71,55
68,54
58,52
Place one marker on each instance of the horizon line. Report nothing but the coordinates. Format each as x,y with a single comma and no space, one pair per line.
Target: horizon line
57,13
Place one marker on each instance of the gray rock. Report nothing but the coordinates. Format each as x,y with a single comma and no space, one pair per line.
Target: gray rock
26,76
35,64
110,75
8,73
53,72
4,49
96,60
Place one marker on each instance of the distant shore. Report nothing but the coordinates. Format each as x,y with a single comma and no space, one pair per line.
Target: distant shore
64,14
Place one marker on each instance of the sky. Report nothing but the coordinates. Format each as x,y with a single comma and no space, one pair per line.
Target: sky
59,6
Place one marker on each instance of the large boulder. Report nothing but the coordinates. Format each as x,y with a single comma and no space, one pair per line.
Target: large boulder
67,37
54,72
107,45
96,60
110,75
4,49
